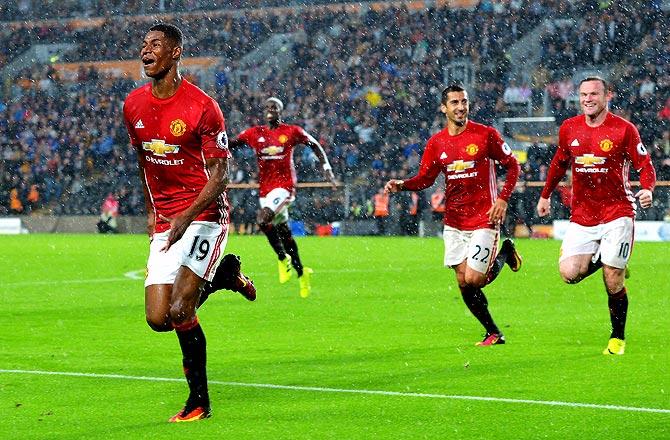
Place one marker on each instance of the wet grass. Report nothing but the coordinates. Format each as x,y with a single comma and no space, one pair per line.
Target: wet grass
384,347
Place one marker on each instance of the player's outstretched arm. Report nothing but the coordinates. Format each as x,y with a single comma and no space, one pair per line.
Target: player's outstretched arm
323,159
328,171
429,169
543,207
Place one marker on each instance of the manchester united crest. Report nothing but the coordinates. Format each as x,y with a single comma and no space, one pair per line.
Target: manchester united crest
472,149
283,138
606,145
177,127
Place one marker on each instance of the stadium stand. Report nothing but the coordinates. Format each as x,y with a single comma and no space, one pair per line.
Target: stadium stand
49,9
366,83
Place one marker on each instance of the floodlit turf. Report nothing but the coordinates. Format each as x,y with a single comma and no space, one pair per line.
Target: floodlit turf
384,316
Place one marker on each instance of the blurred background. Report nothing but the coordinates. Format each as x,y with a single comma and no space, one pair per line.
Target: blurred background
364,78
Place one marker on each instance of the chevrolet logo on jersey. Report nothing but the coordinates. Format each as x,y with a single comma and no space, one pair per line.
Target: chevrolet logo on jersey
159,147
589,160
458,166
272,150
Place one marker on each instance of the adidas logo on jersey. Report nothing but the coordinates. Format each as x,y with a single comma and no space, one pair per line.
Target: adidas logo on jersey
139,124
443,156
575,143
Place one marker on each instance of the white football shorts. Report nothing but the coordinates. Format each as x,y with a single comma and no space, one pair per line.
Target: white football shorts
200,249
278,200
613,241
479,247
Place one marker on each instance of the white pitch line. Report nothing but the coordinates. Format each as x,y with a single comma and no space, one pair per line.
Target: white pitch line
135,275
351,391
139,275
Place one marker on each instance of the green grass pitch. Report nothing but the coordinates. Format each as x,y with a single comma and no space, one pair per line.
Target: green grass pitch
384,347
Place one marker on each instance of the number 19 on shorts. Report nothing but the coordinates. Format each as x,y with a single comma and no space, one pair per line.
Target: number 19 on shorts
199,248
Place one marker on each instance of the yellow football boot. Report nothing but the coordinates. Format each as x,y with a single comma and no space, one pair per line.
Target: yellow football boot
284,267
306,282
615,346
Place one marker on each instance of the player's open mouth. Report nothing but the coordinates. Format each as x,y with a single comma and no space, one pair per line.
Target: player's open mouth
147,62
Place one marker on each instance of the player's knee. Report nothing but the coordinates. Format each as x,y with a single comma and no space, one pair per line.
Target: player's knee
613,290
570,275
475,279
265,226
159,323
614,279
265,215
179,313
571,279
613,286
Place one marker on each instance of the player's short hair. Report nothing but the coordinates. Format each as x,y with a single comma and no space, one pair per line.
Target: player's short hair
172,33
449,89
277,101
596,78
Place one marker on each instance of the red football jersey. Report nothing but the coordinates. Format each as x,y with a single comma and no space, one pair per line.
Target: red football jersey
468,163
274,153
174,137
600,158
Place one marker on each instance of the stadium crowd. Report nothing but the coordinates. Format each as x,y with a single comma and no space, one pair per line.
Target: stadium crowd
366,85
55,9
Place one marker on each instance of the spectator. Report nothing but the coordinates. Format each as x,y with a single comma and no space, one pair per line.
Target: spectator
381,210
15,204
109,214
33,198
